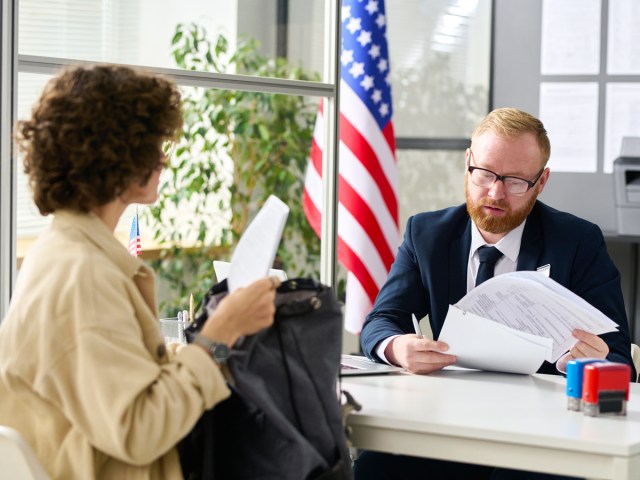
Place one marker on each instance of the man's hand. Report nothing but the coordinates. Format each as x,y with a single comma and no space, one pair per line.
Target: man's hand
418,355
587,346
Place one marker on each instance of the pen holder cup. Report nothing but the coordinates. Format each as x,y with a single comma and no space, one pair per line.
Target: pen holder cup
173,330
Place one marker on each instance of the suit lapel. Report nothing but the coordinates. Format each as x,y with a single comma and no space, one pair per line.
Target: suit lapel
531,246
459,262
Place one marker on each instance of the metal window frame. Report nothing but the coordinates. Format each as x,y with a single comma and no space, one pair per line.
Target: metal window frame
12,63
8,176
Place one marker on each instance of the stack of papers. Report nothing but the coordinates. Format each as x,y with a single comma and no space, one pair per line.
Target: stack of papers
514,322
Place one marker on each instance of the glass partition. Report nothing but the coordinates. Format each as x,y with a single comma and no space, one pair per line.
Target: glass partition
429,180
440,55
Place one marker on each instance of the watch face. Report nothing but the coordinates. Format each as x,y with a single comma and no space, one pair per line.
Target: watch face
220,352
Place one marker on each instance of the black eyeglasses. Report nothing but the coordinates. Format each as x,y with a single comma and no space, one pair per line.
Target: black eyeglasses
514,185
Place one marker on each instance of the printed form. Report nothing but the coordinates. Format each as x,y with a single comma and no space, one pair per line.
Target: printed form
513,322
256,249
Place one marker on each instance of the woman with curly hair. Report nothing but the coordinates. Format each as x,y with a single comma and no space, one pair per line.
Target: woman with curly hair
85,375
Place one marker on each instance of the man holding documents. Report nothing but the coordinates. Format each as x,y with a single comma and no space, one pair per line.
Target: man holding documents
503,228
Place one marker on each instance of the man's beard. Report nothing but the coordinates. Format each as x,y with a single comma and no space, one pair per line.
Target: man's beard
497,224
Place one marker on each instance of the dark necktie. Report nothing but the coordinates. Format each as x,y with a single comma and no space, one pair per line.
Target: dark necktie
488,258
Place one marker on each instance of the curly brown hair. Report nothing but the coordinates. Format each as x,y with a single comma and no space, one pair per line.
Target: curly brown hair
95,131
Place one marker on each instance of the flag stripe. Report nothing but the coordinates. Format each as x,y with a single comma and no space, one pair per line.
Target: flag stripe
358,177
316,156
356,266
312,213
360,244
358,302
390,136
361,149
367,220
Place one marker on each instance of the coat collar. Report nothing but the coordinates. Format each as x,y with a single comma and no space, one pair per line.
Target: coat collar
96,232
94,229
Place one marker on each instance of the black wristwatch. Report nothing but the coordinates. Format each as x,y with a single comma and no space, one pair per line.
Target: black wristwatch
219,351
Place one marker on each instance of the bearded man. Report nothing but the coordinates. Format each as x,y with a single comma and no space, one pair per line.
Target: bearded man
439,261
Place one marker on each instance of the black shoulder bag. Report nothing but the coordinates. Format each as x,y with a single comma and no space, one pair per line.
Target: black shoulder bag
283,419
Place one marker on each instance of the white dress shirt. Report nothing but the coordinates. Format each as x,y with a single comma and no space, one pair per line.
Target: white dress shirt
509,246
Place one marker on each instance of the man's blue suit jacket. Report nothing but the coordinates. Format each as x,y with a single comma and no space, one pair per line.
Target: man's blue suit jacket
430,273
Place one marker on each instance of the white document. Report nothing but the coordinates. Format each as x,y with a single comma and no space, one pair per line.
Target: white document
621,118
570,38
523,303
487,345
623,38
569,111
258,245
221,270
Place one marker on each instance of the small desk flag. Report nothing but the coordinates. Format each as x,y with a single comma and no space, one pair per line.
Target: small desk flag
135,247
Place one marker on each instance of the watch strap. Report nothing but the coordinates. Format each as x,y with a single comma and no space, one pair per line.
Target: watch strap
218,351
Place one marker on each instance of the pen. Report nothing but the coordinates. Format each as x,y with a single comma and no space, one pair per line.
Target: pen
416,325
191,308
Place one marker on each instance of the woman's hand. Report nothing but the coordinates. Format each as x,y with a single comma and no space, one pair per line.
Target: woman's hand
243,312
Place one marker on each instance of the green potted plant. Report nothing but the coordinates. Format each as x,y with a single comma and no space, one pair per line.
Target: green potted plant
236,149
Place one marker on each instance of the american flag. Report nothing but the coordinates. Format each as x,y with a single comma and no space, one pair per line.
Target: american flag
368,233
135,247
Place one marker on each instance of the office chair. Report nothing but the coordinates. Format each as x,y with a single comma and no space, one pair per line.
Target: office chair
635,356
17,459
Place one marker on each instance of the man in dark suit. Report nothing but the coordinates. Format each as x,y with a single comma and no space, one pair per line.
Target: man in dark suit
439,261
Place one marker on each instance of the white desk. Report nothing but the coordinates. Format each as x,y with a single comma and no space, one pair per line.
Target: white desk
512,421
